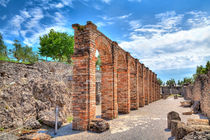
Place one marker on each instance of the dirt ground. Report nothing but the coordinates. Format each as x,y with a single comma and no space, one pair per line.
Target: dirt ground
147,123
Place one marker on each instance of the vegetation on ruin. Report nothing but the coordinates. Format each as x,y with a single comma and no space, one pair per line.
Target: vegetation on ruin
58,46
69,119
190,80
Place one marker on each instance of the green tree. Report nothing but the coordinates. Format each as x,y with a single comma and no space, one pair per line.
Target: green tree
200,70
207,66
171,83
24,53
160,81
98,62
180,83
3,47
58,46
17,51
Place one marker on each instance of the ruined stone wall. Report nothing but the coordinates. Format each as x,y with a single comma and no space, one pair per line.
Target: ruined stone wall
205,95
188,95
172,90
31,92
198,87
200,91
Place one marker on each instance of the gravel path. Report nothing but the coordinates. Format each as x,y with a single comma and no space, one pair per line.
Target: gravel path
147,123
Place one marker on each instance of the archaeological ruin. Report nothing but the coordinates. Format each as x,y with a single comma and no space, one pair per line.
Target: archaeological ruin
126,84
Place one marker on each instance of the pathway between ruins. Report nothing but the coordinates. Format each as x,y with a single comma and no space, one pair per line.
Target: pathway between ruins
147,123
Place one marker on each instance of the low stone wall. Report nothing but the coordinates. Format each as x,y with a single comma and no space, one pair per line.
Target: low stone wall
30,92
173,90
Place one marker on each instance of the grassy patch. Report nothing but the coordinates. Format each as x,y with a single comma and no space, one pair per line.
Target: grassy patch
69,119
6,59
1,129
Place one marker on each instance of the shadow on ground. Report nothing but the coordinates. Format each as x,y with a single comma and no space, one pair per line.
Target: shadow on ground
63,131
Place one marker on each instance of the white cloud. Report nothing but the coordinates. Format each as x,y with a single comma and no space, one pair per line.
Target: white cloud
134,24
36,16
106,1
125,16
59,5
4,3
168,45
16,21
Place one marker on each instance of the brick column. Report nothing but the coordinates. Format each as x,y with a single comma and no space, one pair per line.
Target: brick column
123,84
84,86
81,78
133,83
150,86
141,89
146,85
156,91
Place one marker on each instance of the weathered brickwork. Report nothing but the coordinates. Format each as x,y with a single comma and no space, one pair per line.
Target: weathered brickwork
125,84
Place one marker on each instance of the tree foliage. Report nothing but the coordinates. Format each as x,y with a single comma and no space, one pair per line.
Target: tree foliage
185,81
58,46
23,53
3,47
98,62
160,81
171,83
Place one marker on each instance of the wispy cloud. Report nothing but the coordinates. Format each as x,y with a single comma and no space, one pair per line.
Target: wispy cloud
169,44
125,16
4,3
134,24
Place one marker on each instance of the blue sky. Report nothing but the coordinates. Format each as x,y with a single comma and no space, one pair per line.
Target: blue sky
171,37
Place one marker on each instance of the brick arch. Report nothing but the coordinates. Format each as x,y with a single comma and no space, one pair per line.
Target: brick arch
114,60
104,48
123,92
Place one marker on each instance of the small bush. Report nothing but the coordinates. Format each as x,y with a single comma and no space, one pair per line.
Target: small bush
69,119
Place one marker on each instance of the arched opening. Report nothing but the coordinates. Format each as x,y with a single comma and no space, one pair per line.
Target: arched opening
106,107
98,84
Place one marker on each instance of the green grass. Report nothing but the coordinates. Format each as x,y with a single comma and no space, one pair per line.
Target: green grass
69,119
6,59
1,129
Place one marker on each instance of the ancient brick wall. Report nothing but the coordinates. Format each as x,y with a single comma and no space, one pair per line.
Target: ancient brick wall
125,83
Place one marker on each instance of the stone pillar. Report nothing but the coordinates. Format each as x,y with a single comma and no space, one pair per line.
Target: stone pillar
141,89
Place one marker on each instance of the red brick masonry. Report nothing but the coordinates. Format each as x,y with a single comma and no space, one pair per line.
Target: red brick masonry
126,84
